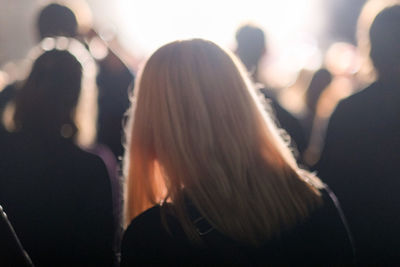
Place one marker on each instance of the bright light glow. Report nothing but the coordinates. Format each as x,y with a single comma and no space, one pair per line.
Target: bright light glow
289,24
152,23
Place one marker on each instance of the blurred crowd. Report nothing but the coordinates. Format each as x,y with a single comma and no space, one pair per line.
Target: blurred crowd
80,127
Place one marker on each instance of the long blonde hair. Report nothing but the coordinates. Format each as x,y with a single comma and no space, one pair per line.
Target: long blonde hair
198,129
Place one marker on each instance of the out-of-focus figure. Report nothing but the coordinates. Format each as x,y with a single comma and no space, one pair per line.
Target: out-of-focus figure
58,197
251,48
319,81
113,79
328,86
361,154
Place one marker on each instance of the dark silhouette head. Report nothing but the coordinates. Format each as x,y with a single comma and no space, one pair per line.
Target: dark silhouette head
250,46
47,101
385,41
57,20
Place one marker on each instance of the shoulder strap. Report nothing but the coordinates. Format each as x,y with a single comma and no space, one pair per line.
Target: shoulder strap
11,250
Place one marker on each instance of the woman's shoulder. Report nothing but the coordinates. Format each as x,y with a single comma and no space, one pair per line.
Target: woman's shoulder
147,240
156,223
324,232
148,219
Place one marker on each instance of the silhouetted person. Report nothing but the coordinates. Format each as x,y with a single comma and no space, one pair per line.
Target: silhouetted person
314,124
251,47
57,20
319,81
57,196
113,79
53,20
361,155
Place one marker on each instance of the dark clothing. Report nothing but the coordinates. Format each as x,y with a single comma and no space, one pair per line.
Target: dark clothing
114,81
288,122
58,199
116,187
320,238
11,251
293,127
360,163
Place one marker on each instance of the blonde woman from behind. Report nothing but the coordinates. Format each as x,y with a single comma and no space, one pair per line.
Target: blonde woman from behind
209,178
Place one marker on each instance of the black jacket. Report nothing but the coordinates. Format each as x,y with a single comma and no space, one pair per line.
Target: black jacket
360,163
58,199
321,238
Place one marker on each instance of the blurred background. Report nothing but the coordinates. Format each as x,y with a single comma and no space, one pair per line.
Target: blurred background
291,26
302,37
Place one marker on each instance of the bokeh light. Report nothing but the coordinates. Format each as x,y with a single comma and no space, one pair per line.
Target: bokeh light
291,27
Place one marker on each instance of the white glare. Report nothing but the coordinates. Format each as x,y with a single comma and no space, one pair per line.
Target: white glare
290,25
152,23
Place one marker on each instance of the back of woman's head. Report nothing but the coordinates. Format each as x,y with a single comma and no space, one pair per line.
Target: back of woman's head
47,100
198,130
